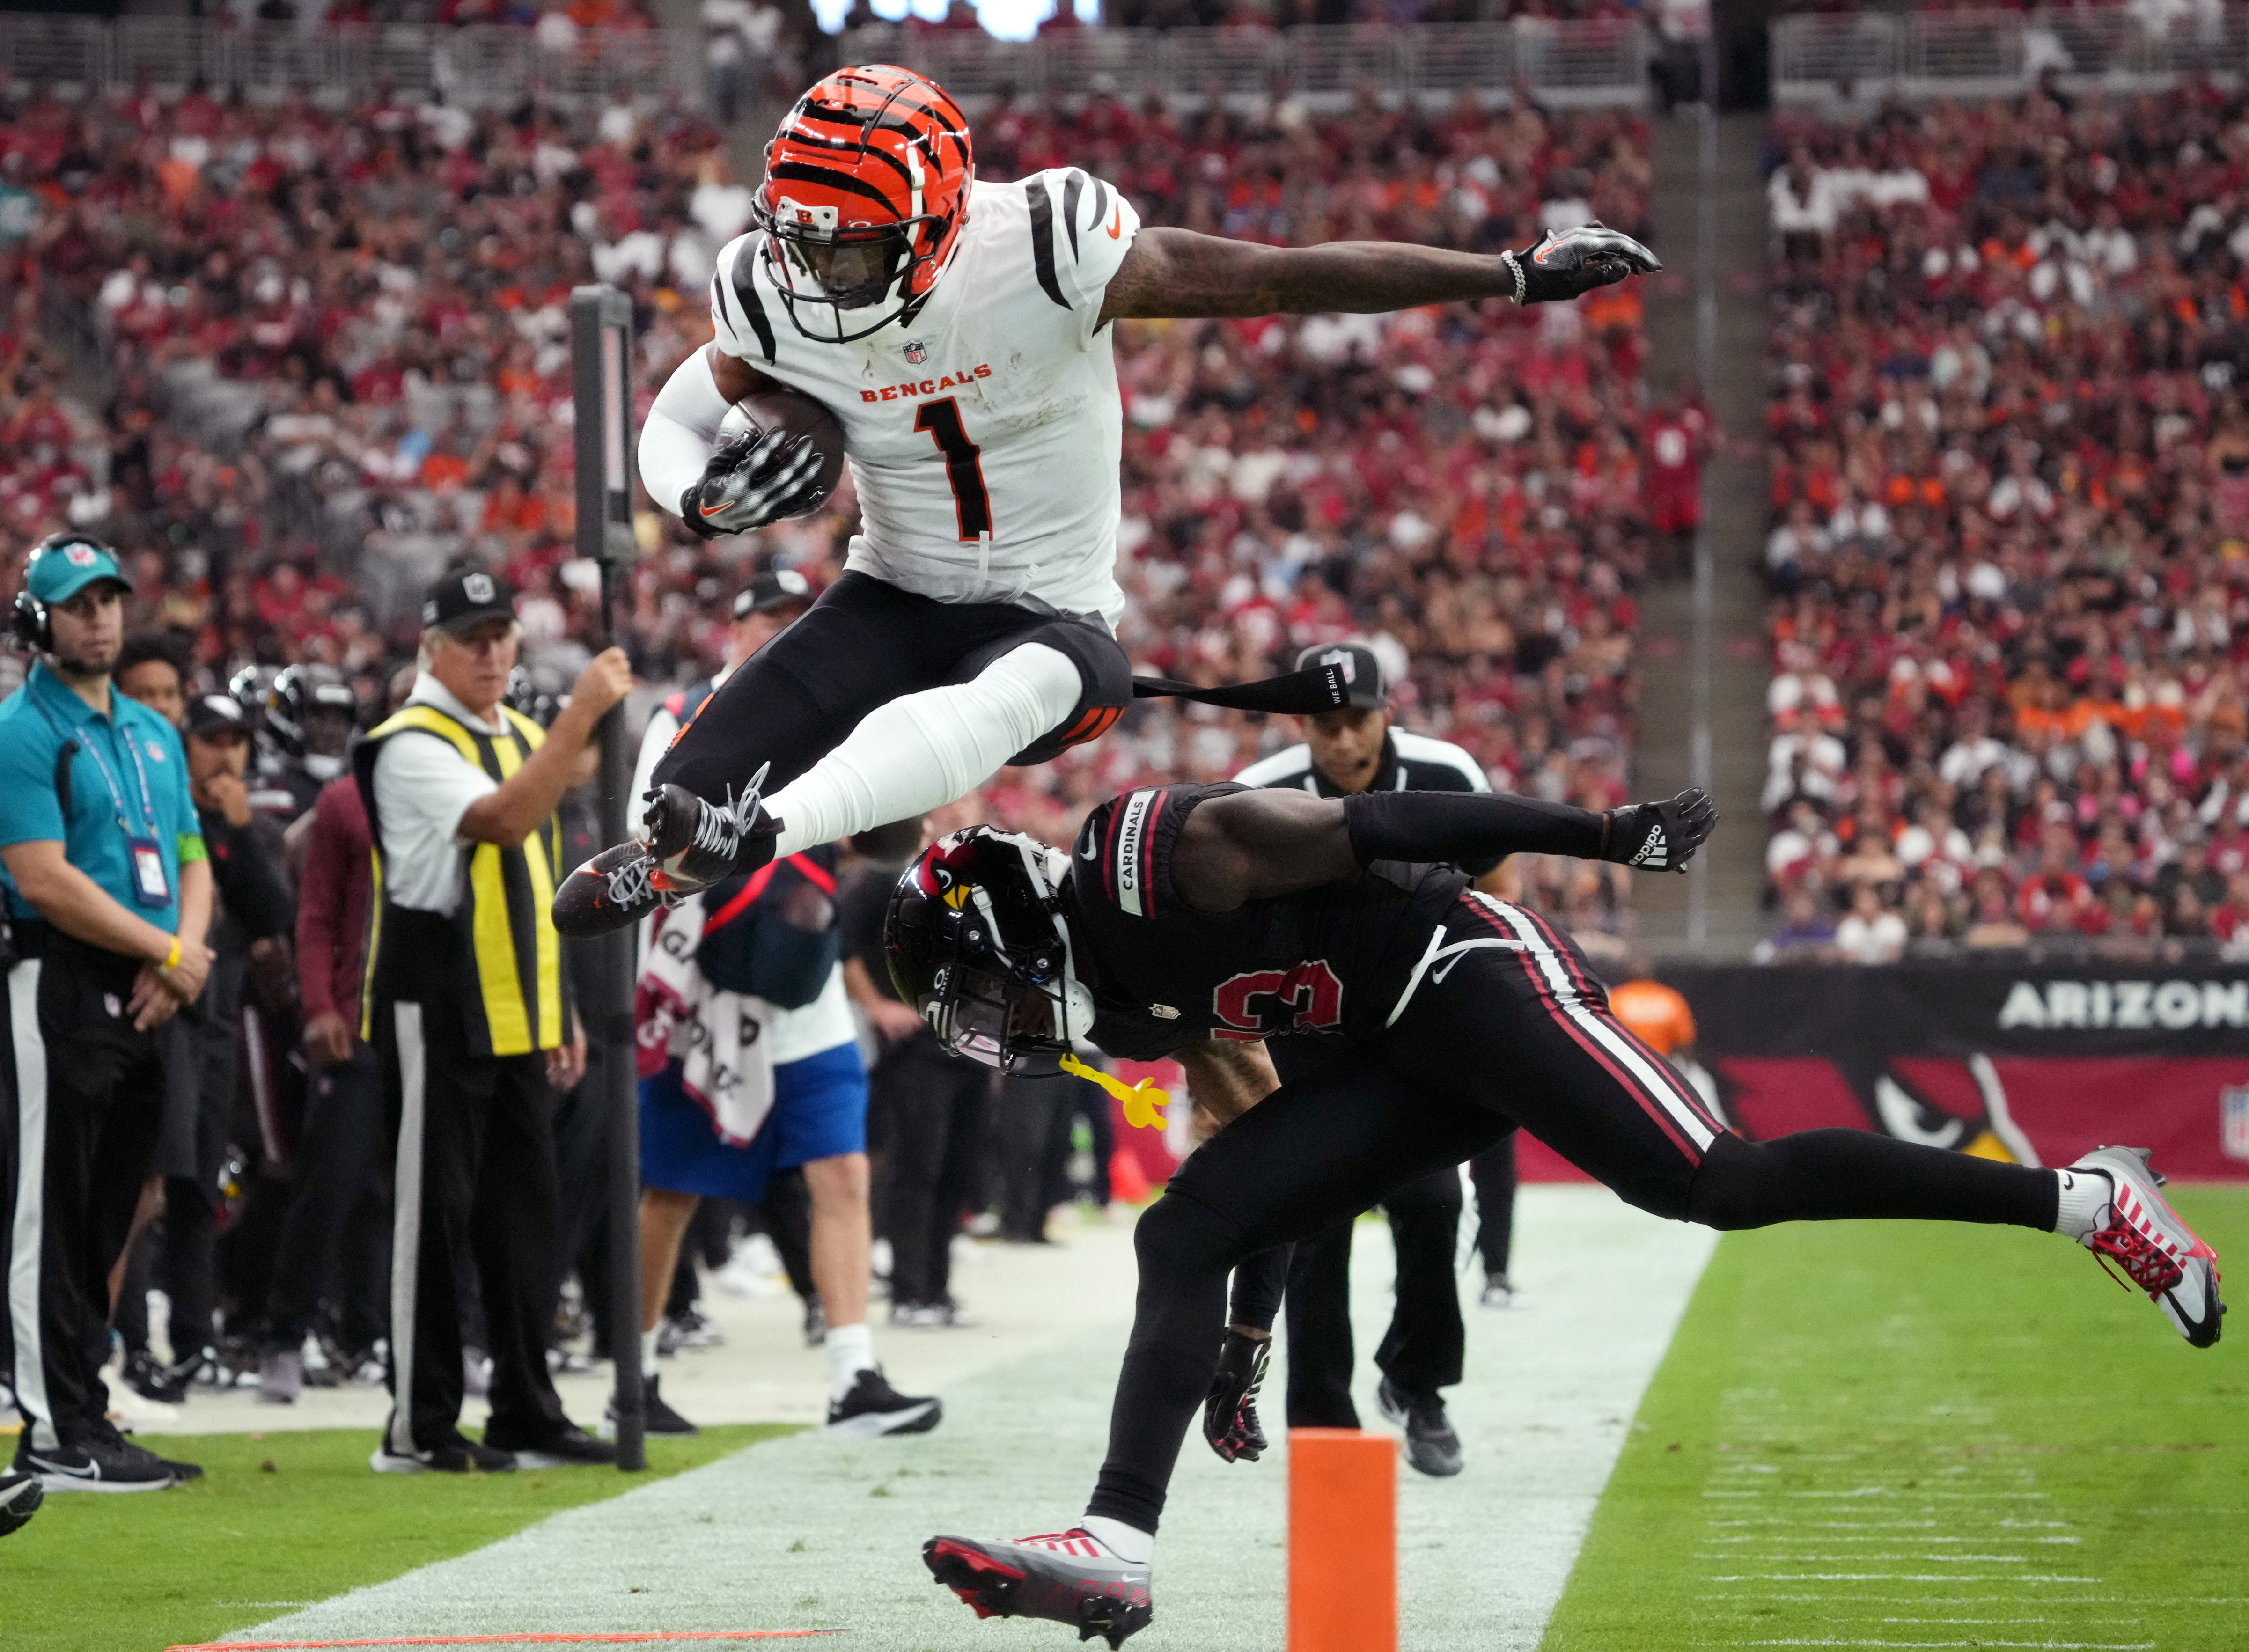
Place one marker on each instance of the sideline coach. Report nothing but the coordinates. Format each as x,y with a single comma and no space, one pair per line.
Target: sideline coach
465,1006
108,894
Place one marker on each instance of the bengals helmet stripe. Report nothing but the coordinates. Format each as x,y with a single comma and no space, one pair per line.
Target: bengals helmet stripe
867,186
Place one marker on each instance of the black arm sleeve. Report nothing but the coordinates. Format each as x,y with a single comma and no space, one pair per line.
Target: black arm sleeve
1466,826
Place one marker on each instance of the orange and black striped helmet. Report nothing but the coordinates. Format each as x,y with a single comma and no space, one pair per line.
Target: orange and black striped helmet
866,189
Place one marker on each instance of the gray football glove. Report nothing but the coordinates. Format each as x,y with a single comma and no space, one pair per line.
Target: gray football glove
1565,264
752,479
1660,837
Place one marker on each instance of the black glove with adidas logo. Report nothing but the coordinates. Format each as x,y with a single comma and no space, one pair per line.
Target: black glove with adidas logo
1660,837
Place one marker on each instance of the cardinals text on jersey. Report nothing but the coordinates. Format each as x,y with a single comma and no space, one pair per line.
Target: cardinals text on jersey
983,429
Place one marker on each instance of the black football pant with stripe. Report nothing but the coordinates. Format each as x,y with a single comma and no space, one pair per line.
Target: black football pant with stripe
863,645
83,1100
1512,1028
473,1181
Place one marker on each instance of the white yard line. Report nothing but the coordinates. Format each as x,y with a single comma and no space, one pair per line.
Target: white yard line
808,1533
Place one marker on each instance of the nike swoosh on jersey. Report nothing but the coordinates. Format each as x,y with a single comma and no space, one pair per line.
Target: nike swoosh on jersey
1117,224
1091,852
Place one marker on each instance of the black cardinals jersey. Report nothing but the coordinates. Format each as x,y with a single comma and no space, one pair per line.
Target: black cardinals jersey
1331,959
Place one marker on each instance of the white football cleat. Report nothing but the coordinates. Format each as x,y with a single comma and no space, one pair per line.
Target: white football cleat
1068,1577
2139,1233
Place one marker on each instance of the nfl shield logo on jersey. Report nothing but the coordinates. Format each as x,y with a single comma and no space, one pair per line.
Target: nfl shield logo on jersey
2233,1108
917,352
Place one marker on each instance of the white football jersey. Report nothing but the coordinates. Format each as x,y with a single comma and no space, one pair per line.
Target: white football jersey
984,431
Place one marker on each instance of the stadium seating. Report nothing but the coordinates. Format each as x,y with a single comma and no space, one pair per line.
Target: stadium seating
2010,553
303,425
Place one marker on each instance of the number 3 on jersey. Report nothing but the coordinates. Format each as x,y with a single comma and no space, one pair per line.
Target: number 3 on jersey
964,466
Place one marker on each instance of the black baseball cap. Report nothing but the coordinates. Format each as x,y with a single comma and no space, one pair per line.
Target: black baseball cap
213,713
465,597
1362,672
780,588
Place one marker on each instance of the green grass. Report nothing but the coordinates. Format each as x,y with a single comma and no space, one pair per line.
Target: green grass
1897,1435
278,1521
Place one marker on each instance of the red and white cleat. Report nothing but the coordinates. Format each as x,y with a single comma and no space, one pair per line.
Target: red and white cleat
1068,1577
2139,1233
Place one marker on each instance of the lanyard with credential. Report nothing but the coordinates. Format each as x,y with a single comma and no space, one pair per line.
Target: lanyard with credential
151,883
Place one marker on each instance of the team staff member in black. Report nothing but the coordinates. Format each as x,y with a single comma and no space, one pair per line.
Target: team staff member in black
1356,749
108,894
1196,920
467,1007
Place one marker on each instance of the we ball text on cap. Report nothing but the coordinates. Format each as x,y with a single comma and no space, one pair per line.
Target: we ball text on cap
1362,672
465,597
781,587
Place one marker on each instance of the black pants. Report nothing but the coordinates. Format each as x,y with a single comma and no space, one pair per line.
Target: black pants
1492,1172
1031,1138
474,1179
863,645
1422,1349
332,1247
1517,1032
84,1098
937,1107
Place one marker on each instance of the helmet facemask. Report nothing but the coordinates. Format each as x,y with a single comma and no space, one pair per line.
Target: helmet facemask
999,991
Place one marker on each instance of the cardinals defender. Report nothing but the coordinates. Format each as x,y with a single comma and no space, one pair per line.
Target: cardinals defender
1198,921
958,331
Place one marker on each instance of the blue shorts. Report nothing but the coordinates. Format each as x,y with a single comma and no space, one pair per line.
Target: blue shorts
819,1111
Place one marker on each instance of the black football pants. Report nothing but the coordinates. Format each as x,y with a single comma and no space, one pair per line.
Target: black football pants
1516,1031
84,1096
863,645
474,1177
331,1246
937,1108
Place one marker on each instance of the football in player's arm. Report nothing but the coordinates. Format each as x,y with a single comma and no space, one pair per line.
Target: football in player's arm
1185,917
749,482
960,332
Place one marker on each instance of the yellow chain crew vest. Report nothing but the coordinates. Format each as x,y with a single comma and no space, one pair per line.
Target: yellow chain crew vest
497,956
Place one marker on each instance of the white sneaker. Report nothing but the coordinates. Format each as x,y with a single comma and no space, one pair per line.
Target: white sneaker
2138,1232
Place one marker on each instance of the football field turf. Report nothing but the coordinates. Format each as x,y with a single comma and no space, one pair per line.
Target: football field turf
278,1521
1890,1434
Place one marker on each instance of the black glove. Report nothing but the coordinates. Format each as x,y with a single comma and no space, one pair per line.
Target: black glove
1564,263
1661,837
1230,1416
753,479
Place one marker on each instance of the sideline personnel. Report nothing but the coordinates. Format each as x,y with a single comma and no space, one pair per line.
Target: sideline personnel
1355,749
467,1007
108,894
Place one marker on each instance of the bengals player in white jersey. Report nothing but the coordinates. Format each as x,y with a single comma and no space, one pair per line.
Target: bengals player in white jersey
959,332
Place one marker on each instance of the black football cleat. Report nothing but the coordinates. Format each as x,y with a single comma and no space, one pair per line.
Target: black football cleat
1229,1413
872,1408
1065,1577
1431,1445
20,1496
688,844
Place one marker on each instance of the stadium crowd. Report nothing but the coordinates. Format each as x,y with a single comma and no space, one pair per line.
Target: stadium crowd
2009,559
332,359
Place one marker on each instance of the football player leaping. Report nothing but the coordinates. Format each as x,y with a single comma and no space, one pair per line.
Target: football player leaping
1191,920
959,332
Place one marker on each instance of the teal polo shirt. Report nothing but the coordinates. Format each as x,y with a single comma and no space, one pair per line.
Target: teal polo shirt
134,745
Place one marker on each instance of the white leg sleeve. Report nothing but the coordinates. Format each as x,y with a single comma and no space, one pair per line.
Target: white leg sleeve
675,443
925,750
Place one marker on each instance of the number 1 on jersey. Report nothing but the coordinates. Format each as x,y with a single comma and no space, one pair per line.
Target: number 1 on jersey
964,465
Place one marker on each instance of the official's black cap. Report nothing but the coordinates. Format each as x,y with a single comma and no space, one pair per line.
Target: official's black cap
1362,672
465,596
212,713
782,588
